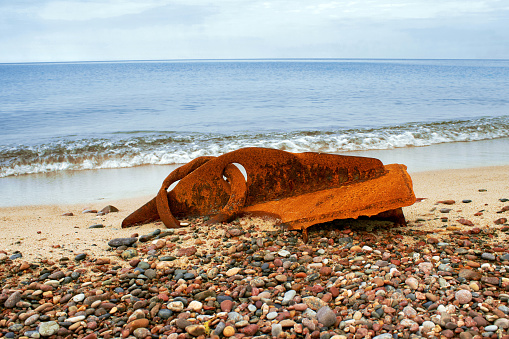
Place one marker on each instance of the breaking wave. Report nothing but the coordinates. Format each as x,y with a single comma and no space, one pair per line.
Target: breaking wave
160,148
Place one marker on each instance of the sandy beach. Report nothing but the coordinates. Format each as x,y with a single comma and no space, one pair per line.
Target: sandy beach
444,275
44,231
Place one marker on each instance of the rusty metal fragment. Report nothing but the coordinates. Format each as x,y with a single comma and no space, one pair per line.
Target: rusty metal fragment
296,189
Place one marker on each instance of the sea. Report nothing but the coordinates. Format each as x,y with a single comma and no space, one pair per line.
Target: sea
78,132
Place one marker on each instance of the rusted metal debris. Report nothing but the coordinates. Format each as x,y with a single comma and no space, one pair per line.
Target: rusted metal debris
296,189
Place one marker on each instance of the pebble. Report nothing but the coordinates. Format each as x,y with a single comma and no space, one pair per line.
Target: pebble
326,316
48,328
117,242
253,283
276,330
13,299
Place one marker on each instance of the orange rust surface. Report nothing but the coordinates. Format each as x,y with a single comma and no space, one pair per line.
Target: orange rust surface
297,189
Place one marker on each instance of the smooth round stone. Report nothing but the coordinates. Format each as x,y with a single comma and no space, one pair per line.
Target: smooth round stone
409,312
80,257
488,256
502,323
491,328
195,330
357,315
228,331
463,296
32,319
219,328
284,253
164,313
289,295
269,257
412,283
117,242
13,299
504,308
195,306
326,316
48,328
150,273
78,297
143,265
141,333
271,315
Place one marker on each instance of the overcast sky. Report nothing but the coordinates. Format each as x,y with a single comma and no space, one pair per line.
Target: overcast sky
74,30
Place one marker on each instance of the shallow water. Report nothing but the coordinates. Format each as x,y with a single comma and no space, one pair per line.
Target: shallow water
89,187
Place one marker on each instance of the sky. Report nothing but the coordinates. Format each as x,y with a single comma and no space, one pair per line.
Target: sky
96,30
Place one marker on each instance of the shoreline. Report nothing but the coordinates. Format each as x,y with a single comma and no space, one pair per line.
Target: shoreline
90,186
35,229
248,278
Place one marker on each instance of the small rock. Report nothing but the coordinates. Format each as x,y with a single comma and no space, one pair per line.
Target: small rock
117,242
463,296
13,299
195,330
48,328
326,316
109,209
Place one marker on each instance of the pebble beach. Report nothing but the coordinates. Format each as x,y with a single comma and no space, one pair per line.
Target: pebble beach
71,271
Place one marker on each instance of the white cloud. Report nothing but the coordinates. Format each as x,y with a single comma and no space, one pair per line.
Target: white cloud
82,11
131,29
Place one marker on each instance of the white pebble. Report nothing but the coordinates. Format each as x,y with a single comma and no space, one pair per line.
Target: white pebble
78,298
76,319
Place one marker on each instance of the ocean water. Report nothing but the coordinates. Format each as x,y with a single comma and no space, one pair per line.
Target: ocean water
60,120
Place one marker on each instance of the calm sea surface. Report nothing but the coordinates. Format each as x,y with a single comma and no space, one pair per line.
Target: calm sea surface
58,117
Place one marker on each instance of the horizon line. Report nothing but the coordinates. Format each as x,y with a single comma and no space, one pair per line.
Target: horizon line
234,59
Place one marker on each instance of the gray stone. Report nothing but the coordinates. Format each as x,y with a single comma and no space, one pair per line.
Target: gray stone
326,316
235,317
289,295
276,330
15,327
219,328
488,256
12,300
491,328
502,323
164,313
48,328
383,336
117,242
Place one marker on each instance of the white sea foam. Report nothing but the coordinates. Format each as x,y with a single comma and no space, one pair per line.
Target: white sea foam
162,149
